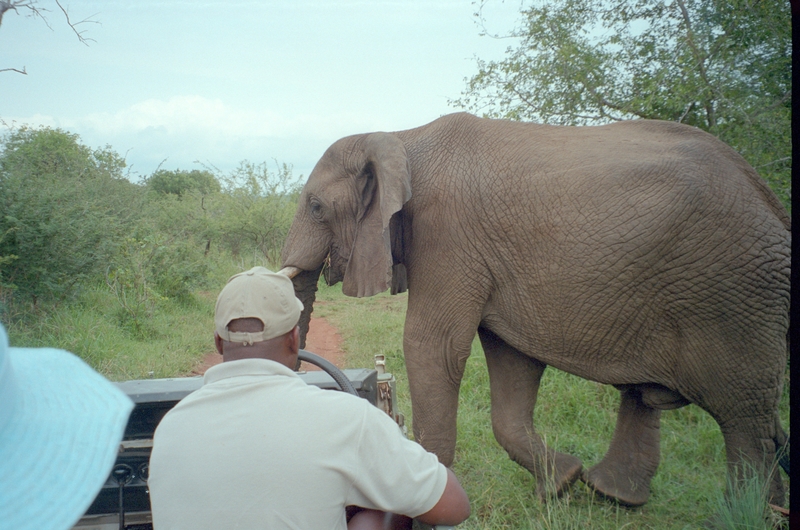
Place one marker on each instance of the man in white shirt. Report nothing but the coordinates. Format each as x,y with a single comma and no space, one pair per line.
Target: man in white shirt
256,447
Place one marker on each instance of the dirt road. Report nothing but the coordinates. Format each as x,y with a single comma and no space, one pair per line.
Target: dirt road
323,339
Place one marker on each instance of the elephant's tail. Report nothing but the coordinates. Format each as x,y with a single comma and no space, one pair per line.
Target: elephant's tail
782,452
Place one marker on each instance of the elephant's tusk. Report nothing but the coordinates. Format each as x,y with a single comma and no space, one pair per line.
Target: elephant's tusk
291,272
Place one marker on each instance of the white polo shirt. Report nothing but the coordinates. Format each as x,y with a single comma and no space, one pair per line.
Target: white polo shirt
256,447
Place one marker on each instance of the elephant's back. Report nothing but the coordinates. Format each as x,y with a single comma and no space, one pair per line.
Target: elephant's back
558,190
698,149
654,163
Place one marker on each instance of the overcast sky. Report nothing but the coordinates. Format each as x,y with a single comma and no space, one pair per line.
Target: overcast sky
225,81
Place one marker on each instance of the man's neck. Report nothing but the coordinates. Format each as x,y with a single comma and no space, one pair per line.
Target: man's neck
239,354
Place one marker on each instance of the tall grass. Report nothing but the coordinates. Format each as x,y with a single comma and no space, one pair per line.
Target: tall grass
746,505
170,342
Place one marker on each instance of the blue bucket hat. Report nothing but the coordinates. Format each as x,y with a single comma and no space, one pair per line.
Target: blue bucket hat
60,427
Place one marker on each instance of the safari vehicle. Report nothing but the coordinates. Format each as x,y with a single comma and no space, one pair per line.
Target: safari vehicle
124,503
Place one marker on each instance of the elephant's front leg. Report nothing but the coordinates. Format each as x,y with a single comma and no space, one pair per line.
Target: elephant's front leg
514,381
625,472
435,368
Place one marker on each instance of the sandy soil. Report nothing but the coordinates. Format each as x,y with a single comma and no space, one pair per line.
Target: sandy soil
323,339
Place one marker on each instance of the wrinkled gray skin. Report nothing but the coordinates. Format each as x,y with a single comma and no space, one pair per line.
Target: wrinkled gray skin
645,255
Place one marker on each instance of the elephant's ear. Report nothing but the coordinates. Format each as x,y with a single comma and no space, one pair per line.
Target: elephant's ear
385,186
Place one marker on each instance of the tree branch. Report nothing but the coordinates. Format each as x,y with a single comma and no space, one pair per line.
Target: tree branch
606,103
786,97
701,62
12,5
23,72
74,26
5,6
35,11
523,97
30,5
778,161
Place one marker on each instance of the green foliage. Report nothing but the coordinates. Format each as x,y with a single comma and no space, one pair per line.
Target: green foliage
129,284
150,269
257,209
177,231
70,220
722,66
179,182
61,207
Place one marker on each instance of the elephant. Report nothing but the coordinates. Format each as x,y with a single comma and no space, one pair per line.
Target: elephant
643,254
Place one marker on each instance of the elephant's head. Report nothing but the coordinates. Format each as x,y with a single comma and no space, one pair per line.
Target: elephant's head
346,219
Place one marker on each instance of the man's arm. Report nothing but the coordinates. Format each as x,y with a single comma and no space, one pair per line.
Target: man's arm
453,506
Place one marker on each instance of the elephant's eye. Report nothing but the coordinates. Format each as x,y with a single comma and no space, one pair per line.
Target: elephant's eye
316,209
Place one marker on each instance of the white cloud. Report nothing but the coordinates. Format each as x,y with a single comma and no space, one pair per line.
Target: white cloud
190,115
193,116
186,128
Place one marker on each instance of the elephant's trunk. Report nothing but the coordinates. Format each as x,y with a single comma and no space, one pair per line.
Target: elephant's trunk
305,288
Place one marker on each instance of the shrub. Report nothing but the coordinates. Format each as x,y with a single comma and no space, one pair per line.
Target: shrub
63,206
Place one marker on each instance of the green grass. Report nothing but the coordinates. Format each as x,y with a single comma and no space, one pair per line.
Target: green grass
170,342
573,415
745,507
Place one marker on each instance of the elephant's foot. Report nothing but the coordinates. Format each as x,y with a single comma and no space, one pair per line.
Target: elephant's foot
618,483
751,458
562,470
625,472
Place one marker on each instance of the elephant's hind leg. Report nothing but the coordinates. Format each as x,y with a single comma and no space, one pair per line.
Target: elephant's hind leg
744,400
625,472
514,381
751,445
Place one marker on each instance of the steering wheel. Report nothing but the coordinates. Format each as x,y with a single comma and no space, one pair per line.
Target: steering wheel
338,377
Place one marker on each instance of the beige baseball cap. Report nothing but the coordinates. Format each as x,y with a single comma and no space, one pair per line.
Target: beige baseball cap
262,294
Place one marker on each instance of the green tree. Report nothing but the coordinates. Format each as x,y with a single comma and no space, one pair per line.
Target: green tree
722,66
257,208
63,206
174,234
179,182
